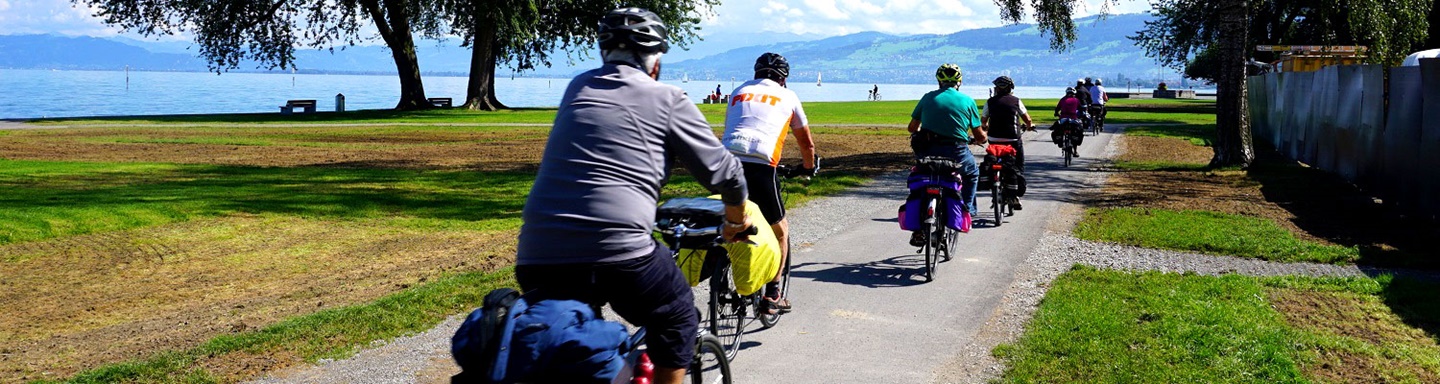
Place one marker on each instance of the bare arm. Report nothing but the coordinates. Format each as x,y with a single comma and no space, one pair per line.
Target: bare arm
807,145
914,125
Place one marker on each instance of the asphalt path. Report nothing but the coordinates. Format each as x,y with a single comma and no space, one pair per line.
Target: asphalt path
863,312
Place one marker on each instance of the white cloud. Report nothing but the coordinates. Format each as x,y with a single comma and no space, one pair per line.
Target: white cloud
837,17
4,5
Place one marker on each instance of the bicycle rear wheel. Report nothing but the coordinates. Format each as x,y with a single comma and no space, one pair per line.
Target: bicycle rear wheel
726,307
769,320
710,365
997,200
929,232
1068,149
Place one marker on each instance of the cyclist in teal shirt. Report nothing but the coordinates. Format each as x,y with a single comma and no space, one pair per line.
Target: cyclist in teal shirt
944,123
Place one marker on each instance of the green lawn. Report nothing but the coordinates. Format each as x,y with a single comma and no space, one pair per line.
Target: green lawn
1204,231
1101,326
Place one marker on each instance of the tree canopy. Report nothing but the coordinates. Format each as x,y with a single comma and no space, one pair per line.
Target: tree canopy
267,32
1185,29
523,34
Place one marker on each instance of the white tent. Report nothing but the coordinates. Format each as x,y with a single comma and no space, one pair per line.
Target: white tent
1414,59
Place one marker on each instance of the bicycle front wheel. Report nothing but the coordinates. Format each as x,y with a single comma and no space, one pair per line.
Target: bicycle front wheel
710,365
726,308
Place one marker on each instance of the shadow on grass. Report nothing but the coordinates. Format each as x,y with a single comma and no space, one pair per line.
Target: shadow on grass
1327,206
1414,301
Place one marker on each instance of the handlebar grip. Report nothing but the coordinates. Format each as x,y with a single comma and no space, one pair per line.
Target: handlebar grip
752,231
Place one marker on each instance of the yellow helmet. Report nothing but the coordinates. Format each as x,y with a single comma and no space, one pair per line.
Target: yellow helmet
948,73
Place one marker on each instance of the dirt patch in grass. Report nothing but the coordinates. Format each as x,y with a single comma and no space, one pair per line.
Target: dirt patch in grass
1360,318
1311,204
1219,191
504,150
80,302
1162,149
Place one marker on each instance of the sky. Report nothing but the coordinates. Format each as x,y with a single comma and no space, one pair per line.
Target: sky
806,17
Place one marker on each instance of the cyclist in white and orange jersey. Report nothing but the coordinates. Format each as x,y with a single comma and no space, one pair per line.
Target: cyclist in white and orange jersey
761,112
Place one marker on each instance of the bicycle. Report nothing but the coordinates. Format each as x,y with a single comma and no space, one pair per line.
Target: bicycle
1001,194
1067,141
1097,119
939,238
728,312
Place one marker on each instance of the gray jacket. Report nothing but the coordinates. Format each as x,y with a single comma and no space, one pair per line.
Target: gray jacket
609,152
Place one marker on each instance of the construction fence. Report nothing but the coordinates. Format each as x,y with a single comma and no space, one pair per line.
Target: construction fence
1339,119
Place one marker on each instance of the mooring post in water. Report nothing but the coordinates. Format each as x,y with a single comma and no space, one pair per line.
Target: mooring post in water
127,77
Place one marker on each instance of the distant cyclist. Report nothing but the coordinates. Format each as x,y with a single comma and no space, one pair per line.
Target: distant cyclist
1004,119
762,111
943,124
1098,101
587,221
1068,110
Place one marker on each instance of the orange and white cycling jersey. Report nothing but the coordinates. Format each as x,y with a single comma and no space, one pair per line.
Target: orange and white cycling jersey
761,113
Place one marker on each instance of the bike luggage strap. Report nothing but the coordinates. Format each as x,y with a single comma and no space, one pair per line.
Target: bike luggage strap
939,164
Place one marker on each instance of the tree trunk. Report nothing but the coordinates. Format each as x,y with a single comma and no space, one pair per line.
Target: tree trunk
1234,144
394,27
480,92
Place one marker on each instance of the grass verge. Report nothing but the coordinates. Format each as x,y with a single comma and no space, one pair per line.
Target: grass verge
1205,231
326,334
1111,326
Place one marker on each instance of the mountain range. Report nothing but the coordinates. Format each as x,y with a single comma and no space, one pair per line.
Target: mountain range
867,57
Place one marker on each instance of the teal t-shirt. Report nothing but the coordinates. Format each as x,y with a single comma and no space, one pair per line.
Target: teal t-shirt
947,112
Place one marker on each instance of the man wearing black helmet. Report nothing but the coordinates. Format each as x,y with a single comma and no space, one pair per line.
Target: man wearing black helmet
587,221
1002,121
760,114
1082,93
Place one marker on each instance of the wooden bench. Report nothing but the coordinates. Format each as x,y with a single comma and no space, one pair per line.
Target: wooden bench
440,102
306,106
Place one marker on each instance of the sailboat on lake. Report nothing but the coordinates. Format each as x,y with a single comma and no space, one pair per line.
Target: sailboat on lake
817,79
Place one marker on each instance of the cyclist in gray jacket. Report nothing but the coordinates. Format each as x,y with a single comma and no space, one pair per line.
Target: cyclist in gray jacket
588,218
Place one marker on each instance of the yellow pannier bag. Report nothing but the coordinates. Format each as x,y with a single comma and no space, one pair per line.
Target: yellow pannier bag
753,263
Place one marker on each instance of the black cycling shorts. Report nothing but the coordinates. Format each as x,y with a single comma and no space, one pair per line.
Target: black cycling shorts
648,291
764,186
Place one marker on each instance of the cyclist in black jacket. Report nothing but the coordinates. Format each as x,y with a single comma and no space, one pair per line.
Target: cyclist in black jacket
1002,120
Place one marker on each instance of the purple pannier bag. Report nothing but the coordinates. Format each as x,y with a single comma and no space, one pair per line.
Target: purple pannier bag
913,209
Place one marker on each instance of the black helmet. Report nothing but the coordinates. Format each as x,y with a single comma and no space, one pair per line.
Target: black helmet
1004,82
634,29
1088,81
773,62
1069,90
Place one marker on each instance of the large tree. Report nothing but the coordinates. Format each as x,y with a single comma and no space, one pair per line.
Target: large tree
1213,40
523,34
1185,33
230,32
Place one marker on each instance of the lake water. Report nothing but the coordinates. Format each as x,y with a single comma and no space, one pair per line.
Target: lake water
52,93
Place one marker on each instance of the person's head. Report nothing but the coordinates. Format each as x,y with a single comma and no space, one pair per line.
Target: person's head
1089,82
948,75
1069,91
772,66
635,36
1099,82
1003,85
1079,82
